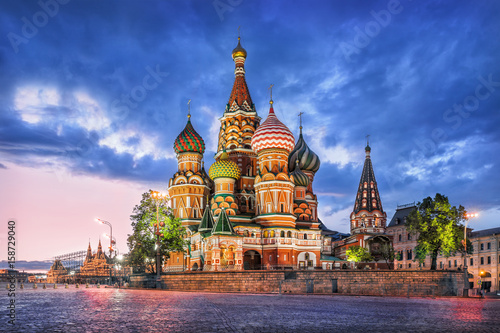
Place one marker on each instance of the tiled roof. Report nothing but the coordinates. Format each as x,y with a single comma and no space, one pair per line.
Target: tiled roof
400,215
485,232
223,226
224,168
368,177
207,221
189,141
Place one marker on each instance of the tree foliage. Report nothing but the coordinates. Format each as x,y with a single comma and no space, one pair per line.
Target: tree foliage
142,241
387,253
357,254
439,228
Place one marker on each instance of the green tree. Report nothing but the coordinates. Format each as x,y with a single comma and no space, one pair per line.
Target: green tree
439,228
357,254
142,242
388,254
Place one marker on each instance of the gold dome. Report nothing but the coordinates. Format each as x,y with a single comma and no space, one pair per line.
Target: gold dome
239,51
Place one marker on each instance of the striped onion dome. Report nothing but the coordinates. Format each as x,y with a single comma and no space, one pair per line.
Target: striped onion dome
308,160
189,140
299,178
224,168
272,133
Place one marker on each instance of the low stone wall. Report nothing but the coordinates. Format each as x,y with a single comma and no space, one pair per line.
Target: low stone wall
355,282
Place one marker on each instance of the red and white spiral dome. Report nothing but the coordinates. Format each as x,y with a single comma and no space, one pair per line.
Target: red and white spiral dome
272,133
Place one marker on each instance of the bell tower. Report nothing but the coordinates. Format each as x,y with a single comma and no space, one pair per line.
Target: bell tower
368,215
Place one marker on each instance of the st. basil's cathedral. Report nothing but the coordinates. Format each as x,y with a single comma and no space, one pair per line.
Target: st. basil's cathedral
256,207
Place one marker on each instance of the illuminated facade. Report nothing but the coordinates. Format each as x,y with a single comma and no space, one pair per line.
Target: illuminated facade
95,264
261,210
483,264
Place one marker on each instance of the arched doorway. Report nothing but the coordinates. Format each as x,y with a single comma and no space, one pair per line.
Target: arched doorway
251,260
195,267
306,260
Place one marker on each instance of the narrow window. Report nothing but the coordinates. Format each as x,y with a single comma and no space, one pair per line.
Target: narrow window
482,261
489,260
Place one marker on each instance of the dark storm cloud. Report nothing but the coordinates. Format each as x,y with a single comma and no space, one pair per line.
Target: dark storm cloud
142,61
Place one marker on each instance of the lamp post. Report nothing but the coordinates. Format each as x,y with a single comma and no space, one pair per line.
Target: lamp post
157,197
466,272
111,242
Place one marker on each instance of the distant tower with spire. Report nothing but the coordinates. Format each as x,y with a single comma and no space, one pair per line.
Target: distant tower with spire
368,216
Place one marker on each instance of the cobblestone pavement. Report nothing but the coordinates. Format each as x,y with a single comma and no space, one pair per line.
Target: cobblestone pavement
119,310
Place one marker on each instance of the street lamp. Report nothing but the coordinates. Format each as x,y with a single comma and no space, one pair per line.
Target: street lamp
157,197
466,271
111,242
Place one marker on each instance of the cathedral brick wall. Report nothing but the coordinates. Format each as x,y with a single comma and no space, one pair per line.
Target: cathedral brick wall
354,282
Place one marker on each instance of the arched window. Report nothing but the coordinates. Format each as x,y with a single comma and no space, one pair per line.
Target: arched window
289,234
272,233
305,236
266,233
282,233
253,234
246,233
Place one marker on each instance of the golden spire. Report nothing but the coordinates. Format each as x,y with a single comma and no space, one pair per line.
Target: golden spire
300,120
271,94
189,110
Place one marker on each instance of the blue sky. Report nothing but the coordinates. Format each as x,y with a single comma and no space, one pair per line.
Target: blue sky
94,94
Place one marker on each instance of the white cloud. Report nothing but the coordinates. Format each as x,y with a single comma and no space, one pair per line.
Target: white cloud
90,115
136,144
31,102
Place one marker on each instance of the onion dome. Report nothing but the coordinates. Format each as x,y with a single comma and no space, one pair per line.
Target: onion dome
224,168
299,178
189,140
308,160
239,51
272,133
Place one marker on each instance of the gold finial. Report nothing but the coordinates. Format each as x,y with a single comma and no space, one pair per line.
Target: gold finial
271,92
239,32
300,117
189,109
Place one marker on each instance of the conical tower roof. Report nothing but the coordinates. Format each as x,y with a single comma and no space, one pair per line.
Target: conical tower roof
89,253
207,221
368,189
240,95
223,226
